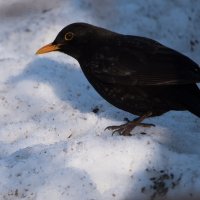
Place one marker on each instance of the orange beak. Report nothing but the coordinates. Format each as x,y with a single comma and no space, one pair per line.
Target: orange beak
48,48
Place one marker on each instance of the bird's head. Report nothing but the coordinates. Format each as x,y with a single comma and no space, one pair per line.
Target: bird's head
75,39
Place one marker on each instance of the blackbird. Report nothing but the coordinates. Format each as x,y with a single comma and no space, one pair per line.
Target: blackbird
136,74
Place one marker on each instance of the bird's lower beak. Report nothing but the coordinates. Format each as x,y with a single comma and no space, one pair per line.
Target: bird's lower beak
48,48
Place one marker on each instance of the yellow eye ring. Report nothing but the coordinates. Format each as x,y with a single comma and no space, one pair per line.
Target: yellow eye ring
69,36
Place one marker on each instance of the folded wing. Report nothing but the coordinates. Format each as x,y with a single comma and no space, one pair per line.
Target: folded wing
142,61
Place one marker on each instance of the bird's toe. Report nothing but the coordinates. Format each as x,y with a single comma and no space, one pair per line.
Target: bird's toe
146,125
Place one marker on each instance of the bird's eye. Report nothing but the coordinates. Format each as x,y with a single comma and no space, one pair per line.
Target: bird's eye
69,36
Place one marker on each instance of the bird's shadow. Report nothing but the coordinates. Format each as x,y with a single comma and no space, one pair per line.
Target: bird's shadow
70,85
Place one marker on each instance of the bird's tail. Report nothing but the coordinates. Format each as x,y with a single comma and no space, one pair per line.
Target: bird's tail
191,100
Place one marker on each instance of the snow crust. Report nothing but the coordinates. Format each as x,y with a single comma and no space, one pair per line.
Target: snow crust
52,140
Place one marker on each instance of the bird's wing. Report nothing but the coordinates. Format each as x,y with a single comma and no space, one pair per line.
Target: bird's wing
143,61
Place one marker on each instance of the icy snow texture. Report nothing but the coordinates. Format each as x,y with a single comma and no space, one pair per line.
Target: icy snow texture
52,144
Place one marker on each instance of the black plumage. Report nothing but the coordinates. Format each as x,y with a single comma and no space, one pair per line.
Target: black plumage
135,74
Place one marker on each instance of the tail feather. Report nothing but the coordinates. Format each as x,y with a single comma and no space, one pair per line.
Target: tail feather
195,109
192,100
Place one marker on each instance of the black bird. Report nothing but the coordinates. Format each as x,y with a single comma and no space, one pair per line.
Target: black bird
133,73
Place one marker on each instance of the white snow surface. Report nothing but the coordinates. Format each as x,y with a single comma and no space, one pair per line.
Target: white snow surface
52,145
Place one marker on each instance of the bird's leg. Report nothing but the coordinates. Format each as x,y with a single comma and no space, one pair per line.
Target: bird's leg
126,128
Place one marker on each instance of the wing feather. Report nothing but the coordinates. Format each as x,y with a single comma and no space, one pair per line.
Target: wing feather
142,61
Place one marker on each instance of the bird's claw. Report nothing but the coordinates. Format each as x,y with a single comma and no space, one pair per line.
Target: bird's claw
125,129
111,128
122,129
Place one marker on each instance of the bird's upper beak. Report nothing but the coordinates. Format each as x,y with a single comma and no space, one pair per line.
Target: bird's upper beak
48,48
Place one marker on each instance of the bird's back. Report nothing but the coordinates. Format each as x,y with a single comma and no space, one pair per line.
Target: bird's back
138,74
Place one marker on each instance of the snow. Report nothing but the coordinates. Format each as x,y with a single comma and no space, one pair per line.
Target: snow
52,140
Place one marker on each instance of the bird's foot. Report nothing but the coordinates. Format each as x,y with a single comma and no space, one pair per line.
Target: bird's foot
125,129
140,124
